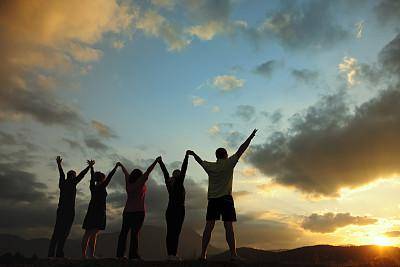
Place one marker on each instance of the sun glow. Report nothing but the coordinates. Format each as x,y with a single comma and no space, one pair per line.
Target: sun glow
382,241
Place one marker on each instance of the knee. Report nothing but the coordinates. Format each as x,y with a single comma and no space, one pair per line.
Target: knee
209,225
228,226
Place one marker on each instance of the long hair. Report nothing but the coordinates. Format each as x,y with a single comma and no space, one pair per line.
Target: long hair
135,174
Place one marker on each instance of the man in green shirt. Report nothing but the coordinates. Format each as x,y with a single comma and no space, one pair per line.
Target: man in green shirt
220,201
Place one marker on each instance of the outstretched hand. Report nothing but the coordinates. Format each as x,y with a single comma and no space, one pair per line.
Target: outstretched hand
118,164
91,162
59,160
189,152
254,132
159,159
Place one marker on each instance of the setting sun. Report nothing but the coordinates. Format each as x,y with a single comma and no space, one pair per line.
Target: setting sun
382,241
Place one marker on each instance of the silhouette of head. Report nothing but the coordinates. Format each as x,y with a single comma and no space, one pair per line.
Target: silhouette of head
71,174
99,177
176,173
135,174
221,153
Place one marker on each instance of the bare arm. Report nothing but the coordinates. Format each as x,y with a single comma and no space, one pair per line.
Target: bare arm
84,171
60,171
246,144
196,157
110,175
184,165
151,167
126,173
164,171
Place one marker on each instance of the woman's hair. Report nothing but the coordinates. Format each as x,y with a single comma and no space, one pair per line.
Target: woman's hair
99,177
176,173
135,174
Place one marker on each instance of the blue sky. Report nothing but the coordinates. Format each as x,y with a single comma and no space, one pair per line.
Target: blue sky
131,80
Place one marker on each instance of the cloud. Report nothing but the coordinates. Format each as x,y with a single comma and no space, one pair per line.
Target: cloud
206,31
359,29
351,69
308,25
118,44
198,101
227,83
392,234
103,130
267,68
305,76
245,112
233,139
214,130
57,38
153,24
168,4
329,222
73,144
96,144
215,109
330,146
388,11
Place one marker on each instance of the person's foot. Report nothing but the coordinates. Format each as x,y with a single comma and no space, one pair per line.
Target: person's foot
138,258
237,258
202,259
173,258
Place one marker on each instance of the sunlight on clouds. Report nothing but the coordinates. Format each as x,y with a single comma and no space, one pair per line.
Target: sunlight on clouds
206,31
214,130
351,69
227,83
118,44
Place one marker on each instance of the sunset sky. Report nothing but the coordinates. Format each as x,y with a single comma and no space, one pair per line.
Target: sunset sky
131,80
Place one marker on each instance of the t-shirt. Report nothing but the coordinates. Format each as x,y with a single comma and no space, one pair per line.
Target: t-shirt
67,195
136,194
220,176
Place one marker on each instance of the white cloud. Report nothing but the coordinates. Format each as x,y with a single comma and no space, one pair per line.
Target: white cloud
227,83
215,109
118,44
350,68
198,101
214,130
206,31
359,29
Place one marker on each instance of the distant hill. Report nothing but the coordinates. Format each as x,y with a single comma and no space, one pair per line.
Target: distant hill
152,245
321,254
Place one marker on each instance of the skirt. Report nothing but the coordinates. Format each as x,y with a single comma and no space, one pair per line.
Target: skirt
95,219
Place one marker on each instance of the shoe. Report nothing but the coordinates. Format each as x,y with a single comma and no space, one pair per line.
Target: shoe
173,258
237,259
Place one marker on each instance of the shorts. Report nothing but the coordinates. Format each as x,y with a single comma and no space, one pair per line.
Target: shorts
221,206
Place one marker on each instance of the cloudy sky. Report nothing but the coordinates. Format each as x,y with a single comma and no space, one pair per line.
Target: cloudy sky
130,80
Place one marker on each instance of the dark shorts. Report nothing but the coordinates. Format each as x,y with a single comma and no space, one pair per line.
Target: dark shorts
221,206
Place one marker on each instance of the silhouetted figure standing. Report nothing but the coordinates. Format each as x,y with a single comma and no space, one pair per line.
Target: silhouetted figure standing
175,213
95,219
134,211
220,201
66,208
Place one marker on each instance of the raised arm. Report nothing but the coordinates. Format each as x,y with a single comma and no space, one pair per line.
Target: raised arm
246,144
110,175
164,170
196,157
84,171
151,167
126,173
185,164
60,171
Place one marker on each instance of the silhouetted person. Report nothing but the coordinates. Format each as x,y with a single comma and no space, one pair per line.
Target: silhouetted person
66,208
134,211
175,213
220,201
95,219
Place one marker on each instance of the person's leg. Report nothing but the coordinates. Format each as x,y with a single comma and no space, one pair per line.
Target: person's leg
55,237
176,230
85,240
137,222
64,233
123,235
230,238
206,238
170,223
92,242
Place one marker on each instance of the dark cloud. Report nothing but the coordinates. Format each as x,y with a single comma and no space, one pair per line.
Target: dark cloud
390,57
209,10
73,144
305,75
234,139
273,117
245,112
309,24
329,222
96,144
103,130
267,68
388,11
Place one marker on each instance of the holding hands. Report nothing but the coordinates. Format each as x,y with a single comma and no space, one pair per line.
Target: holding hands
90,162
58,160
